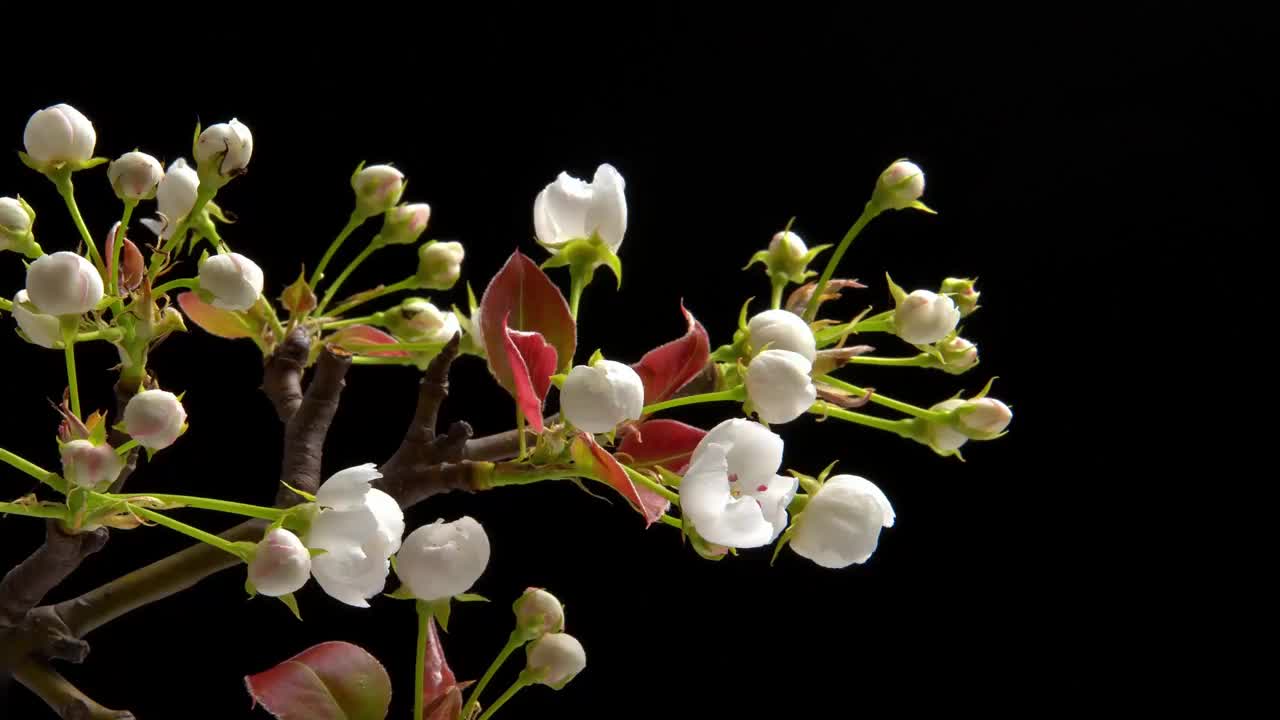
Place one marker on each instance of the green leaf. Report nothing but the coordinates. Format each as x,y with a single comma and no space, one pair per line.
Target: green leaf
782,541
292,603
613,262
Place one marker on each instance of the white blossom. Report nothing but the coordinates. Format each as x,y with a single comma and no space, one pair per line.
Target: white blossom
924,317
442,559
779,385
555,659
359,528
569,209
841,523
597,397
43,330
154,418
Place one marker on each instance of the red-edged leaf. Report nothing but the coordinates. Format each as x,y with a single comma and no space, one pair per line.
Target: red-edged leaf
331,681
668,368
532,361
299,298
358,338
587,453
668,443
214,321
441,693
525,299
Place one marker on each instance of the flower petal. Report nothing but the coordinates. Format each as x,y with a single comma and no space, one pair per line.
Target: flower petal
707,502
754,452
346,489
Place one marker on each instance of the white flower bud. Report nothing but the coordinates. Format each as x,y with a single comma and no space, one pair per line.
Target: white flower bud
154,418
779,385
234,280
59,134
63,284
281,564
439,265
841,524
403,224
224,149
442,559
555,659
980,419
597,397
942,437
538,612
958,354
88,465
378,188
787,247
417,320
40,329
782,330
900,185
570,209
924,317
990,417
135,176
175,196
15,224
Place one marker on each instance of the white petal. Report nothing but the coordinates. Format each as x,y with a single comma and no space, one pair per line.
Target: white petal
346,489
841,524
774,499
390,521
779,386
717,516
337,529
607,214
348,575
544,226
441,560
567,202
754,452
782,330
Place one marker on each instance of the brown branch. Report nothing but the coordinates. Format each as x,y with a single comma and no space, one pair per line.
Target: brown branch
282,376
63,697
306,430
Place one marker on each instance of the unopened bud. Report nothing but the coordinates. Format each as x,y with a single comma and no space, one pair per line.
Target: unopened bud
377,188
924,317
135,176
403,224
16,219
223,151
234,280
155,418
555,659
281,564
59,135
439,265
64,284
417,320
91,466
900,186
962,292
958,355
538,612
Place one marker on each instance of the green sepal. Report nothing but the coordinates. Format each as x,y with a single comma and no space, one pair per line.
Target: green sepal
761,256
316,552
357,172
921,206
249,588
822,476
195,141
218,213
782,541
470,597
742,314
245,549
401,593
897,293
441,609
93,163
986,389
596,356
810,484
304,495
471,299
30,162
292,603
669,478
613,262
558,380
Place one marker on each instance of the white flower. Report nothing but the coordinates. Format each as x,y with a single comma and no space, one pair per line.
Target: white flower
597,397
63,284
925,317
538,612
378,188
442,559
59,134
281,564
403,224
88,465
440,264
779,385
40,329
731,492
900,185
15,223
990,417
841,524
556,658
568,209
135,176
418,320
154,418
234,280
360,528
782,330
230,145
175,196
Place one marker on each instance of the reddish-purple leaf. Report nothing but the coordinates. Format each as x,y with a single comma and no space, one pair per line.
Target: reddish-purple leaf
532,361
331,681
588,454
214,321
668,443
441,693
668,368
358,338
525,299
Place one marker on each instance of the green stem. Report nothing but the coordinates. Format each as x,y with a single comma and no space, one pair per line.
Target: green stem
234,508
737,393
373,319
408,283
366,360
113,270
109,334
125,448
356,220
203,196
521,682
69,349
387,347
921,360
673,522
868,212
35,471
420,664
58,512
775,300
184,283
888,402
576,285
62,179
6,305
370,249
276,327
640,478
504,474
898,427
185,529
524,445
875,325
514,642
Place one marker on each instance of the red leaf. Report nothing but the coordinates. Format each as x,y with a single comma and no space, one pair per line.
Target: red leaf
215,321
668,443
441,693
532,362
331,681
668,368
357,338
522,297
587,453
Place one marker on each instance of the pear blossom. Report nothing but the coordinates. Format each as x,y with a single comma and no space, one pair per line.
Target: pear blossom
788,247
782,330
841,523
378,188
155,418
418,320
15,224
439,265
731,491
924,317
43,330
597,397
91,466
135,176
223,150
403,224
570,209
988,418
538,612
779,385
234,280
63,284
281,564
899,186
359,528
442,559
175,196
59,135
555,659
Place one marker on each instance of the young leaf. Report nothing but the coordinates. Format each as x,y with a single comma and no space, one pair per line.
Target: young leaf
215,321
532,361
587,454
523,298
661,442
667,368
441,692
331,681
359,338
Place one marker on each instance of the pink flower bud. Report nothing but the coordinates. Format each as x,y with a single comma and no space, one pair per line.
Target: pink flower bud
281,564
377,188
900,185
403,224
90,466
539,612
135,176
439,265
154,418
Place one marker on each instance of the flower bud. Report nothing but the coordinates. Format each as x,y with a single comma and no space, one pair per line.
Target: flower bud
88,465
135,176
224,150
538,612
989,418
43,330
63,284
16,219
570,209
378,189
175,196
439,265
786,248
555,659
417,320
900,186
442,559
958,354
962,293
234,280
841,523
924,317
779,385
597,397
782,330
943,437
281,564
59,135
403,224
155,418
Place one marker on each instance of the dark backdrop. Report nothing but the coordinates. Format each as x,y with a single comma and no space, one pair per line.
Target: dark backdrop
1033,139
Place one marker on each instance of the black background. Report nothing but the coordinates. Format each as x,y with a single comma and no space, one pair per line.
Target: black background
1046,141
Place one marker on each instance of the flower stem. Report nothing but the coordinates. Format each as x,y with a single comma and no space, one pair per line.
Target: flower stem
372,319
640,478
521,682
406,284
62,179
898,427
868,212
6,305
276,327
35,471
425,618
888,402
366,360
184,283
524,445
185,529
125,448
58,512
736,393
775,300
673,522
109,334
514,642
113,270
235,508
370,249
921,360
69,349
356,220
577,283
